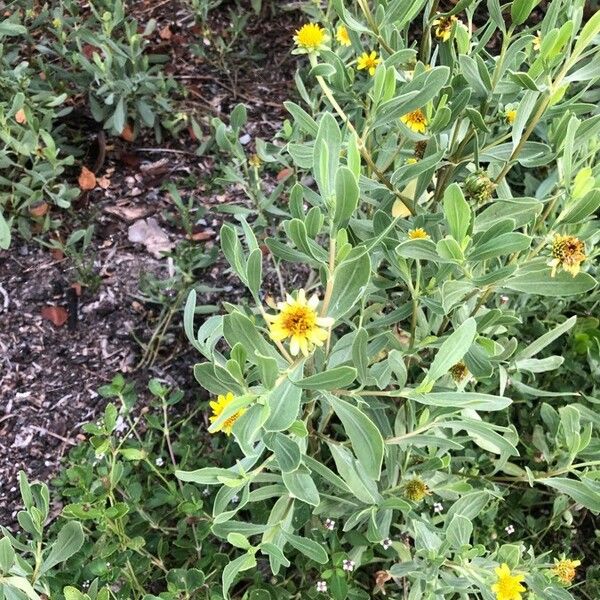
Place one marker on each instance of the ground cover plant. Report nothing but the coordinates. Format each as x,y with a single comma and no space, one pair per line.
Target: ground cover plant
403,400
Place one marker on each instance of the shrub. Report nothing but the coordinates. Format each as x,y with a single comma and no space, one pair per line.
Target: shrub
391,399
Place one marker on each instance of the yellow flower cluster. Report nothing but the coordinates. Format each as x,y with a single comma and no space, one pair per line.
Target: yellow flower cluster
564,570
568,252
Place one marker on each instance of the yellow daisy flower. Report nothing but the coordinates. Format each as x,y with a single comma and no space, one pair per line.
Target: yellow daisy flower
298,320
418,234
568,252
368,61
310,37
415,120
564,569
412,160
443,27
537,41
508,586
342,36
510,114
219,406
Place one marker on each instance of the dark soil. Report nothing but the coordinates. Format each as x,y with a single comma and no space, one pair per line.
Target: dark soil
49,374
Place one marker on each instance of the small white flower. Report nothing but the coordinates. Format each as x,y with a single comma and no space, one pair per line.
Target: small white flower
509,529
329,524
159,462
235,499
438,507
321,586
504,299
386,543
348,565
206,492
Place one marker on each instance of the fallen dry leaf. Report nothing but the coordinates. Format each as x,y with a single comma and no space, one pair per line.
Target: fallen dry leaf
128,134
128,212
20,117
57,254
165,33
56,314
285,173
149,233
202,236
103,182
87,179
77,287
39,209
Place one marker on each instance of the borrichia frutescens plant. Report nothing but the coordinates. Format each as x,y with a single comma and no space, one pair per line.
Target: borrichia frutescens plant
379,399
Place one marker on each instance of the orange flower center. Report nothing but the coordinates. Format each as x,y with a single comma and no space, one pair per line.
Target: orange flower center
298,320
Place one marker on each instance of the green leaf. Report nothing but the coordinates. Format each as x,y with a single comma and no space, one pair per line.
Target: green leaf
4,233
350,284
340,377
541,283
452,350
7,555
238,328
301,485
313,550
581,209
119,116
205,476
305,122
8,28
458,532
484,435
327,155
284,402
585,492
286,451
457,212
506,243
521,9
68,542
242,563
254,271
364,435
472,400
346,195
546,339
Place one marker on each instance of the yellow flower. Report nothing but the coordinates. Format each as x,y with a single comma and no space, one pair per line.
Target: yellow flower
510,114
299,321
564,569
443,27
368,61
508,586
412,160
537,42
418,234
416,489
310,36
568,252
342,36
254,161
219,406
415,120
